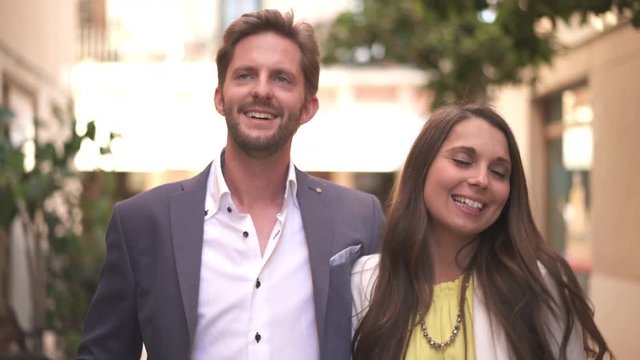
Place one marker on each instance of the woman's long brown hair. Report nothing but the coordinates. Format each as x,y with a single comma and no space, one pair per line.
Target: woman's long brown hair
505,263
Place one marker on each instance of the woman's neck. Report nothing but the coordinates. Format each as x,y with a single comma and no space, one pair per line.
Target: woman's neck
450,257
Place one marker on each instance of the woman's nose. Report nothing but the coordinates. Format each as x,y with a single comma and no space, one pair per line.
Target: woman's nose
480,178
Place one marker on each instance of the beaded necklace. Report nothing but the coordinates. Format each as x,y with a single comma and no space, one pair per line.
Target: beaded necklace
456,329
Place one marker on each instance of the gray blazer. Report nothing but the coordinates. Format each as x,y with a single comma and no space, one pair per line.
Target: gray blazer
149,283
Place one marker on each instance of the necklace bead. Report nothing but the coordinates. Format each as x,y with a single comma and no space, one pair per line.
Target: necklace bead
456,329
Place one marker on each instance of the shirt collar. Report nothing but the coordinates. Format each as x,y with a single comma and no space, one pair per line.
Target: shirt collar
292,185
217,186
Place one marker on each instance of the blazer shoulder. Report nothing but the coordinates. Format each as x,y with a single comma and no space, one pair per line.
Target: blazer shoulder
339,191
151,197
161,193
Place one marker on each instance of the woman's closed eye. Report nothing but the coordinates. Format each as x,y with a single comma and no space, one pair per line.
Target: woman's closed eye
462,161
500,170
502,174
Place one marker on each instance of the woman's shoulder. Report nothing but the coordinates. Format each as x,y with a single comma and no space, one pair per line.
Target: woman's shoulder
556,320
363,278
366,264
363,274
548,280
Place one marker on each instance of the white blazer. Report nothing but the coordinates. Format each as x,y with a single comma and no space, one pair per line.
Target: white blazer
490,340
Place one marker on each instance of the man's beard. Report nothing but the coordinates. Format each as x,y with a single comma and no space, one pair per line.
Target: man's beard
261,146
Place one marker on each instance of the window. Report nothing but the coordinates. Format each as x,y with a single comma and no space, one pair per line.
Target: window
569,142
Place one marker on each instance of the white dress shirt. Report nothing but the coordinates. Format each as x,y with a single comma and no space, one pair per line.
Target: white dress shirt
254,306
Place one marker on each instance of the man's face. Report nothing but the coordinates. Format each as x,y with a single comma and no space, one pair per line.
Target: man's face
263,97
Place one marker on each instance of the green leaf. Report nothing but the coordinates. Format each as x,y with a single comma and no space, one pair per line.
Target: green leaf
6,115
462,55
91,130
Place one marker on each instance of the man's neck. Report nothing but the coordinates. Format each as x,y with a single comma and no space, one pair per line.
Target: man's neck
255,182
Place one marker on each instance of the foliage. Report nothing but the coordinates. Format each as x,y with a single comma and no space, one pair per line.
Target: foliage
74,261
464,45
60,221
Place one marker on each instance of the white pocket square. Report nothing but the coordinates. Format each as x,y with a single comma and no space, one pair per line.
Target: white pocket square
351,253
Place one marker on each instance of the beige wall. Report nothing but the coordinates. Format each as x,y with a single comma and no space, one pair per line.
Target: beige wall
36,53
610,64
37,42
40,33
616,87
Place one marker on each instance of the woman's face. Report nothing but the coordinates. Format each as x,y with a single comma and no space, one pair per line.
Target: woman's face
467,184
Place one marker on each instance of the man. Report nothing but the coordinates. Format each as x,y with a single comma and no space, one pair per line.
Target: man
251,259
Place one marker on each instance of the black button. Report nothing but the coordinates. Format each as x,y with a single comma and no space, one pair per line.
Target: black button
258,283
228,209
258,337
245,234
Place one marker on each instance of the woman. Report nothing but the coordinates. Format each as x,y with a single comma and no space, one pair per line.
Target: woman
463,271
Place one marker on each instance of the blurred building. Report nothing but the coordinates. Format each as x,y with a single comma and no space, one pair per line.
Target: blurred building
576,128
36,54
147,72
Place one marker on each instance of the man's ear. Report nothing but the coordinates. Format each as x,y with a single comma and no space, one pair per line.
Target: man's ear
309,109
219,101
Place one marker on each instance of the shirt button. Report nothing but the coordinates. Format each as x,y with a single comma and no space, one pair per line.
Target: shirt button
258,337
245,234
228,209
258,283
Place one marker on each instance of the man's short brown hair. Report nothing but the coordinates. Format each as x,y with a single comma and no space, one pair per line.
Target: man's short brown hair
268,20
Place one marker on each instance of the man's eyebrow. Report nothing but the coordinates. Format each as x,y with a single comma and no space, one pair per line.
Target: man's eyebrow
244,68
283,71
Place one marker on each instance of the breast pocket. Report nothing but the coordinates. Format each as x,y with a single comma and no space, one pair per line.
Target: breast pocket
348,255
338,313
340,277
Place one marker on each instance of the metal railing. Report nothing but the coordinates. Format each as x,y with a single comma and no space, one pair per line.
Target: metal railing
94,45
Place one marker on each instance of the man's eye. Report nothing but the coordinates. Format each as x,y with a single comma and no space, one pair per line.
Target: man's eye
244,76
282,79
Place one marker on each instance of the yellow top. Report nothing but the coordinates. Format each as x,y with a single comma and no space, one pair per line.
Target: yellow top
440,321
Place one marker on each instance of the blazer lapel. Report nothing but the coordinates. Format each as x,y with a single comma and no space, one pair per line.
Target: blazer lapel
318,224
186,210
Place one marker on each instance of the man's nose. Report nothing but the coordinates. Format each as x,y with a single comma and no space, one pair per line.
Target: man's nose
262,88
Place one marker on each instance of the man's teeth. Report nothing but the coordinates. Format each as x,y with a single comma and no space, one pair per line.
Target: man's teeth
468,202
259,115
